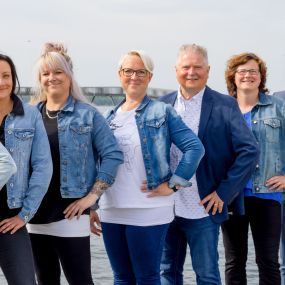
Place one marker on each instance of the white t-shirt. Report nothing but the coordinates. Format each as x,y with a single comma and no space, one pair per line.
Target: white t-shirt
125,193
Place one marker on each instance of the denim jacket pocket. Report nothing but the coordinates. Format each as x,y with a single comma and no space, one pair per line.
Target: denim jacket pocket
272,129
80,134
156,126
24,138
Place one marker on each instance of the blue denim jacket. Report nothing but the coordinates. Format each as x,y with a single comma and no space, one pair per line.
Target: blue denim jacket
27,142
88,149
268,127
159,126
7,166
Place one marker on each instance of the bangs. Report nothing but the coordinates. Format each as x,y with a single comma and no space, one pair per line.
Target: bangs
53,61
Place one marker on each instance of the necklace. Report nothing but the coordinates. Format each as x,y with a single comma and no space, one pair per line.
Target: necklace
52,117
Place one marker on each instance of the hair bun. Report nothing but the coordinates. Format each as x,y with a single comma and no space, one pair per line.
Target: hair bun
54,47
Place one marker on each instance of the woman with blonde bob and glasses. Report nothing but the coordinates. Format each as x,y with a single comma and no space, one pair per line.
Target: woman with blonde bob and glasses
85,158
136,210
265,115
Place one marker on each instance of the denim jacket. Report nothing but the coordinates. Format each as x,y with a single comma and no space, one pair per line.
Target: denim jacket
7,166
159,126
268,127
27,142
88,149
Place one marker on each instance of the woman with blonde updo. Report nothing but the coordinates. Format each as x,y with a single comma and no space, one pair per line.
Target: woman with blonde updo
85,160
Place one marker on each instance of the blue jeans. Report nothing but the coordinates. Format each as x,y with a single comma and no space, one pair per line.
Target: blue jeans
16,259
134,252
282,244
202,236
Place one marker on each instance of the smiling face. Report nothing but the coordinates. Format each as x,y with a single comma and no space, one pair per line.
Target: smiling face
247,76
6,81
192,72
134,85
55,82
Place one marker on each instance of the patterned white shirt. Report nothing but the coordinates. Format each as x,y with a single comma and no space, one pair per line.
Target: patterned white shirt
187,199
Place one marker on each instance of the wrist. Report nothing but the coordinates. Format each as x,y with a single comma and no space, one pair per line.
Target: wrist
173,187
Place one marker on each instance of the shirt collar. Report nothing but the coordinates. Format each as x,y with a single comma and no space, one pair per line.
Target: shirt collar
18,109
197,97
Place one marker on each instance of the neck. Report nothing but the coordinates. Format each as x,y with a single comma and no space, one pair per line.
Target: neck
6,106
247,100
55,103
132,102
188,93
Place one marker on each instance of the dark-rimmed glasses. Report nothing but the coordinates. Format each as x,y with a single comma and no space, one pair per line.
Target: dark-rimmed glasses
128,72
243,72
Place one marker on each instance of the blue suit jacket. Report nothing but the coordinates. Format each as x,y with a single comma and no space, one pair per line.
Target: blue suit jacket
231,151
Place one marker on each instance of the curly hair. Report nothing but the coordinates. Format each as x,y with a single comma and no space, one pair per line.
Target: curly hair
234,62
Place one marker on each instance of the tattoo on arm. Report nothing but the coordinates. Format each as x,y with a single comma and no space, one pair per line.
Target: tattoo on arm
99,188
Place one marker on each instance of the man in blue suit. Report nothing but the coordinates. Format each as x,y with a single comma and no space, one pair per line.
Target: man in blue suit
230,157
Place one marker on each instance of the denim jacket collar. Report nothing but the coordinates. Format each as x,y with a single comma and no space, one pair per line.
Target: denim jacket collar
264,100
142,105
68,106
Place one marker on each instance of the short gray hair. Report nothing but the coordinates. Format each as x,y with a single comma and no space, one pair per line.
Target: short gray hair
147,61
193,48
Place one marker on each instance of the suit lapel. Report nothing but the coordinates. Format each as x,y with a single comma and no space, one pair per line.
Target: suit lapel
207,105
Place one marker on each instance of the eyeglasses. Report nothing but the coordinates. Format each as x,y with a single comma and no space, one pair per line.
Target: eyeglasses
243,72
128,72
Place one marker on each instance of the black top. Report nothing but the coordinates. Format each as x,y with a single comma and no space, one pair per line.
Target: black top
5,212
53,205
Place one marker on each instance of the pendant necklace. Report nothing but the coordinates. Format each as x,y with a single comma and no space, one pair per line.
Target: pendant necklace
52,117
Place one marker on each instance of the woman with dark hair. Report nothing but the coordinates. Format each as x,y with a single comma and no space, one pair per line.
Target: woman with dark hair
85,158
265,115
23,134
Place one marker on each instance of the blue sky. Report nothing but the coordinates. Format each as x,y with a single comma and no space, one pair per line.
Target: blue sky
97,32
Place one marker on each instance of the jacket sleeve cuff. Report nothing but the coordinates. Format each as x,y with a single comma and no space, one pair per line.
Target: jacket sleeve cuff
179,181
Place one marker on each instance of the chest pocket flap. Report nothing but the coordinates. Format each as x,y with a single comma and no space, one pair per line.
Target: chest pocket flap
274,123
156,123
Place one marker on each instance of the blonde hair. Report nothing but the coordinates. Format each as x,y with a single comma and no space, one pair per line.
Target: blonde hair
147,61
54,56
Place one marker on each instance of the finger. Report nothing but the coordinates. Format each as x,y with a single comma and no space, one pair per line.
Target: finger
209,206
215,208
69,207
221,208
79,213
206,199
15,229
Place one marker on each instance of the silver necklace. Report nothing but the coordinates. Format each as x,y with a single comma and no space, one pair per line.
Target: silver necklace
52,117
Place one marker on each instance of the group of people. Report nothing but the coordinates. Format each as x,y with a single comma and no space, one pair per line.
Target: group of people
165,174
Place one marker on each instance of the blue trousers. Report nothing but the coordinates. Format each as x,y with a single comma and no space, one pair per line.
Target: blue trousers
282,244
16,259
202,236
134,252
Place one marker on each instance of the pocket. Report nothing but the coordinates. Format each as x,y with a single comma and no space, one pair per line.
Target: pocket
272,129
80,134
156,127
24,135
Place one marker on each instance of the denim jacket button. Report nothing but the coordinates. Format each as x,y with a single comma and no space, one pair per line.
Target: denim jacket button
257,166
255,122
11,185
257,189
65,162
9,132
11,149
144,139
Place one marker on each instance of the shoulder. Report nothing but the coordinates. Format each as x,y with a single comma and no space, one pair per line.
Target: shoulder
218,97
168,97
280,94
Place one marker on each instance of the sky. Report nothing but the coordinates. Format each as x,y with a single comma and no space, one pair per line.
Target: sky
98,32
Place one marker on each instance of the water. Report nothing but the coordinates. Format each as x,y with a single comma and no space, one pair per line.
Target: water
102,274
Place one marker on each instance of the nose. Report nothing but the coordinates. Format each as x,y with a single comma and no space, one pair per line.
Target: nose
134,75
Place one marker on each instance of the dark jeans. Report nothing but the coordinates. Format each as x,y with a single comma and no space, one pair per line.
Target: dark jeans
16,259
282,244
134,252
73,253
264,218
202,236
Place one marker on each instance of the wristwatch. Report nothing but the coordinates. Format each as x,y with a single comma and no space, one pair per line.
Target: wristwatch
173,187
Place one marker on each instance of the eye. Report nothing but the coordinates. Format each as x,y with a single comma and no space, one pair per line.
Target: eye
141,72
